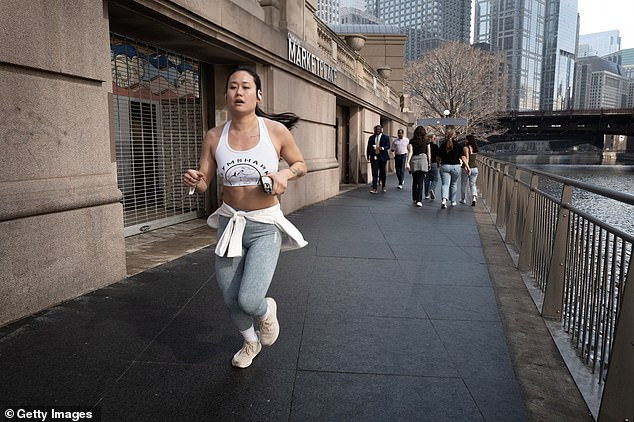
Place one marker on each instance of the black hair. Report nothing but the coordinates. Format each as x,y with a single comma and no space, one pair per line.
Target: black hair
418,139
288,119
471,141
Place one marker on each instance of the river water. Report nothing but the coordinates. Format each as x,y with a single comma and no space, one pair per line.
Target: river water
616,177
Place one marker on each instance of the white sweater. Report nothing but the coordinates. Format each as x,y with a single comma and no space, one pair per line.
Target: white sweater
230,243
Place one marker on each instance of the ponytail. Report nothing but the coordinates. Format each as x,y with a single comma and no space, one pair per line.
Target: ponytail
288,119
451,135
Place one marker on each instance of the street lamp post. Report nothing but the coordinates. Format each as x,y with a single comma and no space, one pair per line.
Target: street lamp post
445,120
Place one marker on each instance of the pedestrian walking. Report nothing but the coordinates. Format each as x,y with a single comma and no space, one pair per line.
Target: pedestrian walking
378,155
251,228
450,159
399,148
417,164
471,152
433,176
464,175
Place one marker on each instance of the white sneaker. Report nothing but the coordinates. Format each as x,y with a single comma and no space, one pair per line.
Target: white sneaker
270,327
244,357
400,186
427,197
419,204
453,203
443,204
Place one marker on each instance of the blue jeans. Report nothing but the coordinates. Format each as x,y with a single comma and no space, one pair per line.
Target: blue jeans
464,180
450,174
432,179
244,280
399,164
471,180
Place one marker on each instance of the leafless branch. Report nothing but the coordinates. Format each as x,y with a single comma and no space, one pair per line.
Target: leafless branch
468,82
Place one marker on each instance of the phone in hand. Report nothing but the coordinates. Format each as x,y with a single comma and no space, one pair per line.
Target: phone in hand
267,184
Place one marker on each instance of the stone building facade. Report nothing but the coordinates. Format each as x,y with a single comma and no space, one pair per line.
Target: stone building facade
105,103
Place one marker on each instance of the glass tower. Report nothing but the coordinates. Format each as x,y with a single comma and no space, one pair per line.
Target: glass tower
427,23
599,43
357,4
328,10
560,44
600,83
538,38
624,58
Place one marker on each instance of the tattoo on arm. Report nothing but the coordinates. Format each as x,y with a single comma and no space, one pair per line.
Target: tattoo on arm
297,172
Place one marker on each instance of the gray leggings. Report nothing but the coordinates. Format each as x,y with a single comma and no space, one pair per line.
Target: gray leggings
244,280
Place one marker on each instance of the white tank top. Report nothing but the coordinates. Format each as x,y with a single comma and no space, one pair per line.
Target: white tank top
244,168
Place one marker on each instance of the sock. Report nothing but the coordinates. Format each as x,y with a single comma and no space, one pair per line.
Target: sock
250,335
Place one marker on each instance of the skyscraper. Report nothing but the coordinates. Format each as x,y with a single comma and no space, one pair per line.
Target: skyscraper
624,58
600,83
518,30
427,23
357,4
599,43
328,11
353,15
560,45
538,38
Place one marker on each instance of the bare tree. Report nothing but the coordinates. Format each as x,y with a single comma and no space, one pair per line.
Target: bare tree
467,81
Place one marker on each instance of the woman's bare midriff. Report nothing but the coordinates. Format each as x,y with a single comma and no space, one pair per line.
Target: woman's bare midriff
247,198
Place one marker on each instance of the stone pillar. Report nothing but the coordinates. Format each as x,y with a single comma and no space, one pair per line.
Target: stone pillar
272,12
292,16
61,223
358,162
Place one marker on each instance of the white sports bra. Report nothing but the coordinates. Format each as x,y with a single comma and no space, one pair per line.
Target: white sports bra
244,168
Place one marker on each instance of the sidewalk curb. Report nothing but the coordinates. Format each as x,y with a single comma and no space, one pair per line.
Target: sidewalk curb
549,391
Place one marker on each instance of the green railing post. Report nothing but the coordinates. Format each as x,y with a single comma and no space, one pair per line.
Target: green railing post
554,294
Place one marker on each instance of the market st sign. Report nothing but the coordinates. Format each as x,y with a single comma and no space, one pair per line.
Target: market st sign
308,61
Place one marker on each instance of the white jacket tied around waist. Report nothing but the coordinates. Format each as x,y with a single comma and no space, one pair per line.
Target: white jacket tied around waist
230,243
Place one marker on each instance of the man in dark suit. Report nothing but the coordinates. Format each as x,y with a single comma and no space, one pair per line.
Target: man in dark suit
378,155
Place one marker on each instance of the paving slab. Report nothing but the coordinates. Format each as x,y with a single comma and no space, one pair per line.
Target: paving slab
389,314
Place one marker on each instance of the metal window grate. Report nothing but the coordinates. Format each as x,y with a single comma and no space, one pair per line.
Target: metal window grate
158,133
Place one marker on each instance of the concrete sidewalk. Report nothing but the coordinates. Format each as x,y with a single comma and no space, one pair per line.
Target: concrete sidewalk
389,314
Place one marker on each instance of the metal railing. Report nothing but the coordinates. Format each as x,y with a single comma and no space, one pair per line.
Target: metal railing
581,266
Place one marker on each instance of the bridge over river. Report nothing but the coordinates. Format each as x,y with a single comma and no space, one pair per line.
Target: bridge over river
569,127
